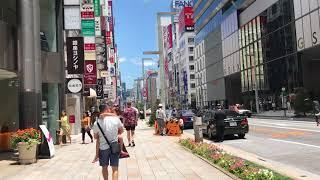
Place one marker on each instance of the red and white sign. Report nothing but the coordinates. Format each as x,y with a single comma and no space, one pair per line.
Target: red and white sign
90,47
90,72
186,22
87,15
169,37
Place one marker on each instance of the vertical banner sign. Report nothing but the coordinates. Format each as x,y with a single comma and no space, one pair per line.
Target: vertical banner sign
87,9
90,72
75,55
97,8
99,89
98,26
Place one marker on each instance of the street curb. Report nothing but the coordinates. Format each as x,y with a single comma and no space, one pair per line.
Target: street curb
286,170
283,118
212,164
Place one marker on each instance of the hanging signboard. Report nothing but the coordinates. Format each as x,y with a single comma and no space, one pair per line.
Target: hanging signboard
75,55
86,91
97,8
99,89
90,47
89,55
90,72
74,85
71,2
72,17
98,26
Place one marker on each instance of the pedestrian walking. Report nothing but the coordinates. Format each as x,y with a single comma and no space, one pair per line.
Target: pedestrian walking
65,127
85,127
106,131
220,116
161,116
130,123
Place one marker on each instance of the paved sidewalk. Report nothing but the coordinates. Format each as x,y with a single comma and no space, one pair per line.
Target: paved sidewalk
154,157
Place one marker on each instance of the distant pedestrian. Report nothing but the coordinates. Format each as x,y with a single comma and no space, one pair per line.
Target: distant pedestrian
106,132
274,106
161,118
220,116
86,127
181,125
65,127
130,123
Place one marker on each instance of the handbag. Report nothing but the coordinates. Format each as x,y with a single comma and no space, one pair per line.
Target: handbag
114,146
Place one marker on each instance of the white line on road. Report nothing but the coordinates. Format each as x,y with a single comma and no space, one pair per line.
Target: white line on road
297,143
300,129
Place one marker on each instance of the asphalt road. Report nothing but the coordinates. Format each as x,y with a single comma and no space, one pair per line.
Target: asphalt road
295,143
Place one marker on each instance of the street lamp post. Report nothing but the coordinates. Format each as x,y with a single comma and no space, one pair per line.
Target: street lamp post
201,90
144,87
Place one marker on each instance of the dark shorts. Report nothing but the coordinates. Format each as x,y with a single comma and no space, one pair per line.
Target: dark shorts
106,158
130,128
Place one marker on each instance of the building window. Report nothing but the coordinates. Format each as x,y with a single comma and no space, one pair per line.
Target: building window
191,49
191,67
191,58
192,76
190,40
193,85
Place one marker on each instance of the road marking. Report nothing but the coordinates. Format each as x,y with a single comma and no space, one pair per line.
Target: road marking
286,124
297,143
301,129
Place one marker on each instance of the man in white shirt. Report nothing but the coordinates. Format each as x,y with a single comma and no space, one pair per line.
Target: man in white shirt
161,117
112,127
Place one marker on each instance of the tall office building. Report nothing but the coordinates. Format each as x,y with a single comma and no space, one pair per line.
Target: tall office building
249,46
31,64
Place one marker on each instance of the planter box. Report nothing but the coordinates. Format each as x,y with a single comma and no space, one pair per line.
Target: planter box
27,153
5,141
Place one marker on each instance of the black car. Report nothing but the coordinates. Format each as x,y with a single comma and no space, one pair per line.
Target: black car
187,116
234,124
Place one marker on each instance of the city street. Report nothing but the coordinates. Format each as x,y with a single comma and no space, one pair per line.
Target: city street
294,143
154,157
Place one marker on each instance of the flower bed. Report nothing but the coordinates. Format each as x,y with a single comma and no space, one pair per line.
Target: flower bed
239,167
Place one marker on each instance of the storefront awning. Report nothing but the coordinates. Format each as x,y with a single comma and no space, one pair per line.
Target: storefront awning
93,93
5,74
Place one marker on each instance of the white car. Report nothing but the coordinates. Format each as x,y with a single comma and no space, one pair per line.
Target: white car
245,112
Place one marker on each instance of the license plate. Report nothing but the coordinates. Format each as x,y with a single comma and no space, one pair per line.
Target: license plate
233,123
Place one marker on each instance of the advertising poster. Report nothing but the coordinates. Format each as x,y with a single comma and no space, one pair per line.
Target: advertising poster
49,140
75,55
90,72
99,89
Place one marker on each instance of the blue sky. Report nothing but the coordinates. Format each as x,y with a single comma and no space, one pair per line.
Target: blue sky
135,28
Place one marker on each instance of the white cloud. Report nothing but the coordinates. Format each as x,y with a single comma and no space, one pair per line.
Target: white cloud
122,59
150,63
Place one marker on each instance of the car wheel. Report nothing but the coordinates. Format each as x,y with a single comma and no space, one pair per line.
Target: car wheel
241,136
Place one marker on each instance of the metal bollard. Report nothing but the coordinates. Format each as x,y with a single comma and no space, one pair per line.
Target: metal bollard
197,123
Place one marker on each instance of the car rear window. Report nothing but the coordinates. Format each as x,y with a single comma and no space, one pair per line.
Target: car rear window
231,113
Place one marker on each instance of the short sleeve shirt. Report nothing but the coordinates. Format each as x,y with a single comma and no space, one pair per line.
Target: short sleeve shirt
110,125
130,117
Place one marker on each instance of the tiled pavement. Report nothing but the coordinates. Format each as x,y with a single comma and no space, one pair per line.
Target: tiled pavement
154,157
